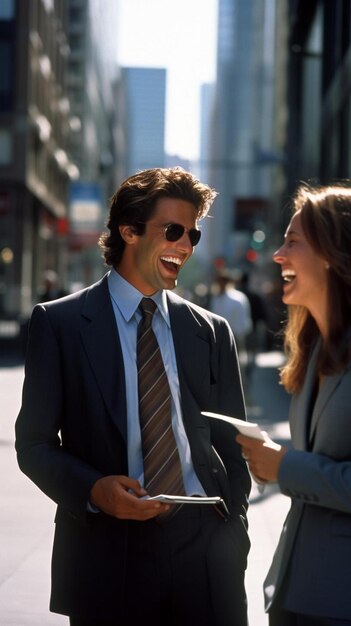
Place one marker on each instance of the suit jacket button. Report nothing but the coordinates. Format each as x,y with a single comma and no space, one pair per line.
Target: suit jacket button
214,470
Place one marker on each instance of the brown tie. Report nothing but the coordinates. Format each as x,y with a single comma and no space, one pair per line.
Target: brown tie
162,469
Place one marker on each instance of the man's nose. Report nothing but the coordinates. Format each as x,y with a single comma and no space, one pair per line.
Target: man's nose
185,242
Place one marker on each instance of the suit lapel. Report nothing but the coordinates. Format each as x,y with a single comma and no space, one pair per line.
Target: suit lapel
191,341
303,428
102,345
193,351
328,388
301,405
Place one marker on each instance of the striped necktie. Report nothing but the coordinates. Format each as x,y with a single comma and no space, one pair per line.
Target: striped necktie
162,469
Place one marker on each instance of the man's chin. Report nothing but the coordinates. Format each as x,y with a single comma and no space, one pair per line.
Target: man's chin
170,283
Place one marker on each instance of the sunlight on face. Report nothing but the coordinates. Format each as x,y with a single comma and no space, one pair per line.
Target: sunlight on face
303,270
151,262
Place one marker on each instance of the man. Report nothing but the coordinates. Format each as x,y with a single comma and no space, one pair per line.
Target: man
52,289
256,339
234,306
120,558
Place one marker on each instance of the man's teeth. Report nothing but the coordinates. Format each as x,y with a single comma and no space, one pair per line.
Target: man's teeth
288,275
171,259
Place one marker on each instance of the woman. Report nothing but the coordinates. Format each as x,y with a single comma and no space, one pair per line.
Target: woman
308,583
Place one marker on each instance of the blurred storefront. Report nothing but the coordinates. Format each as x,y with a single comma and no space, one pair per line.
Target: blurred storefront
59,132
319,92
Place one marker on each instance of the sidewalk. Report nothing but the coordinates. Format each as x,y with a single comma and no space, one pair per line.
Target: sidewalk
26,515
269,407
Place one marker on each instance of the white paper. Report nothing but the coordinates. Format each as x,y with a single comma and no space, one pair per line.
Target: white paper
245,428
185,499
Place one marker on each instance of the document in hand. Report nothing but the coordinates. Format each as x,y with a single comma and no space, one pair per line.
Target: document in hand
219,502
185,499
245,428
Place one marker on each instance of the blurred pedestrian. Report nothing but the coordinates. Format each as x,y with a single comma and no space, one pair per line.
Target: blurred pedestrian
51,290
234,306
257,338
116,378
51,287
308,582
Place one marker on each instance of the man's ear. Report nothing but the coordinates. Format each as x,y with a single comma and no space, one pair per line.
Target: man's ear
127,232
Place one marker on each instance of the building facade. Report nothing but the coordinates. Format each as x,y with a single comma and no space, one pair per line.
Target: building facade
60,135
145,99
248,126
35,167
319,96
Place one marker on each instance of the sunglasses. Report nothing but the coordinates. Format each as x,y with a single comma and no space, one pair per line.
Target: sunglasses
174,232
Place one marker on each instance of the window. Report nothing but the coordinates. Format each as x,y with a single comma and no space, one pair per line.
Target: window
7,9
7,75
5,147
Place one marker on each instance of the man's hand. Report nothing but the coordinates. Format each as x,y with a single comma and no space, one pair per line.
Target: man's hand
121,497
263,457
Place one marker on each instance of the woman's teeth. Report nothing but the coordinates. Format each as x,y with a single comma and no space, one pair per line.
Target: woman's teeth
288,275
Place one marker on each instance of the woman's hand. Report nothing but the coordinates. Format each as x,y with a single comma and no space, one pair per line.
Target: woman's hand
263,457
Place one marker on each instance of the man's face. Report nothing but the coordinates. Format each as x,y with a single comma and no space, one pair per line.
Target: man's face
150,262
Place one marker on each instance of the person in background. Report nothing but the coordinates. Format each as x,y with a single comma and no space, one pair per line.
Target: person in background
50,291
51,288
234,306
117,376
308,581
256,339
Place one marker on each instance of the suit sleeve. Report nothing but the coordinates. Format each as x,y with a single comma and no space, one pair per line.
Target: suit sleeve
316,479
64,478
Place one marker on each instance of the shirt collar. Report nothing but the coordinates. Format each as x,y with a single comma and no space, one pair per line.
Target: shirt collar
127,298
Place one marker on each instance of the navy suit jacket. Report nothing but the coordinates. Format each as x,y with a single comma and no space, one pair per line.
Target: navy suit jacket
72,429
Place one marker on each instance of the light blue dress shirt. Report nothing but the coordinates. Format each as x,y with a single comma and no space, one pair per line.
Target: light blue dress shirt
125,301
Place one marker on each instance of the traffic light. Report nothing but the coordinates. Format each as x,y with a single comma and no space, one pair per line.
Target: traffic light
256,244
251,255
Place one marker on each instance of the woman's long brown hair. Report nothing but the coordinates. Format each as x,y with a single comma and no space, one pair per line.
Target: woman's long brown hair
326,222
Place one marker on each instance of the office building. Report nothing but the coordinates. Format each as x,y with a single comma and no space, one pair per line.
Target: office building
145,97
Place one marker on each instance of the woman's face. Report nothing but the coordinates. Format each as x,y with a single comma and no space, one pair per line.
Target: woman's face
303,270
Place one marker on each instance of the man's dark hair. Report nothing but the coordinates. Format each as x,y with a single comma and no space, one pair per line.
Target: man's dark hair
135,201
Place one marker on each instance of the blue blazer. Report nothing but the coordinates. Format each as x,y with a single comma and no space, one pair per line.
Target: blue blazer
315,545
72,429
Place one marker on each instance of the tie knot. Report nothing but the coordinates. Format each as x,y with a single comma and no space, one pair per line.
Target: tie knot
147,307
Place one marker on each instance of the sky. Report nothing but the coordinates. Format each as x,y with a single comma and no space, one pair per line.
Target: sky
181,37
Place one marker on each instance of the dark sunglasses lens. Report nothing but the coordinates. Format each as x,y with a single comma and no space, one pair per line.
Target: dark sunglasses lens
194,236
175,231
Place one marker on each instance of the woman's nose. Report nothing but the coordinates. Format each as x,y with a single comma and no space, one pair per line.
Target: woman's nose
278,256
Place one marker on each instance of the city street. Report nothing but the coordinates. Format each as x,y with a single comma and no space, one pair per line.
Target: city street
26,515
